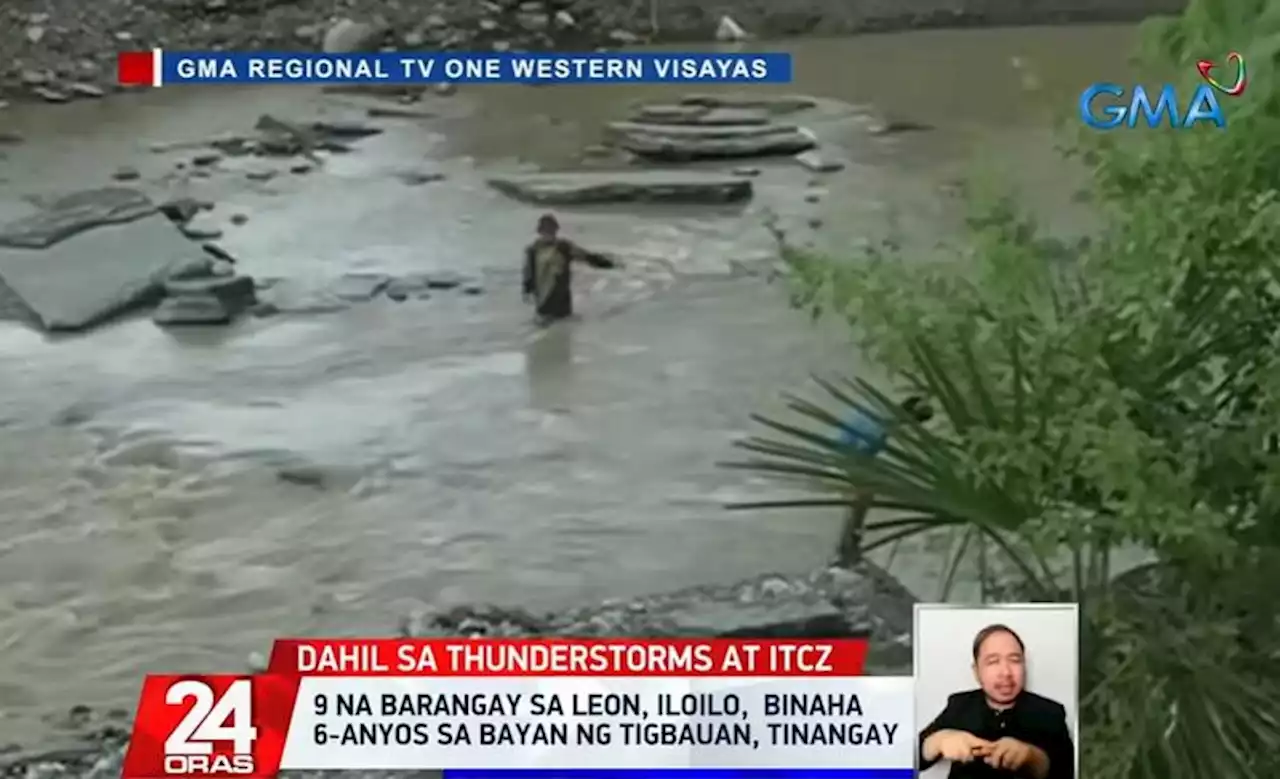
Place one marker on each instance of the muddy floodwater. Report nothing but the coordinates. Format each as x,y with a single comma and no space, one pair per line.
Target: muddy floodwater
460,455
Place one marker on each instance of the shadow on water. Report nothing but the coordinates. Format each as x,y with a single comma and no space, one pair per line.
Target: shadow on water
176,500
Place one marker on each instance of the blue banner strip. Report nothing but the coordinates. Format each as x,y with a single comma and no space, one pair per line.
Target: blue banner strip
409,67
682,773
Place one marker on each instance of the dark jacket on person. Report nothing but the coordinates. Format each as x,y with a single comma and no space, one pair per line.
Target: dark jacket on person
1033,719
548,274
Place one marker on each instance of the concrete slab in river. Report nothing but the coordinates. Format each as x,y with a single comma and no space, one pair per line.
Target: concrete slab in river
90,273
641,186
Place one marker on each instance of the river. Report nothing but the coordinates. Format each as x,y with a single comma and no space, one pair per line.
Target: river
467,459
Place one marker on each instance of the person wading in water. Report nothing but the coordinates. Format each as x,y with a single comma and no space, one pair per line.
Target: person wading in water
868,435
548,273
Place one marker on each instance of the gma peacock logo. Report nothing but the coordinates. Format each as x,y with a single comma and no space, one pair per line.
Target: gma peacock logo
1104,106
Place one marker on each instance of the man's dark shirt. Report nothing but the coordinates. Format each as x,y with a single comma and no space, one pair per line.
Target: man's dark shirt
548,274
1033,719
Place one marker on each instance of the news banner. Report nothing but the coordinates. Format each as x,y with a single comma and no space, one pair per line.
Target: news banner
160,68
678,709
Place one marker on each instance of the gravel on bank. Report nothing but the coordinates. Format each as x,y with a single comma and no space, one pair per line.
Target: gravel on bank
63,50
862,601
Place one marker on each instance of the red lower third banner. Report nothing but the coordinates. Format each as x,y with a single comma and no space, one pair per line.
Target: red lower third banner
504,704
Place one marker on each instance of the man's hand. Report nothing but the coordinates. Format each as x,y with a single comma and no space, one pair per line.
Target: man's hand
957,746
1009,754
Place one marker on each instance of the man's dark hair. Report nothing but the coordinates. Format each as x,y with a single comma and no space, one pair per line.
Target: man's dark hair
918,407
547,223
988,632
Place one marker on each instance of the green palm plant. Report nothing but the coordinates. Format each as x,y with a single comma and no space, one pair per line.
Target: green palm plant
1109,396
1175,671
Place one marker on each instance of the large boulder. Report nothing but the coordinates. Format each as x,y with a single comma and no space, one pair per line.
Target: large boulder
647,186
678,143
89,256
61,217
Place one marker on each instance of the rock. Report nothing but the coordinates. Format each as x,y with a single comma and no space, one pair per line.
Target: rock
774,104
9,138
445,89
83,89
50,95
201,232
727,30
126,174
678,143
444,280
217,252
533,21
898,126
564,20
699,115
277,137
205,159
647,186
93,275
348,130
235,292
624,38
198,268
63,217
814,162
192,310
396,112
35,34
346,36
239,220
747,172
183,209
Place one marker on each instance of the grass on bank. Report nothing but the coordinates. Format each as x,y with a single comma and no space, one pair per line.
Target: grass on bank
1124,392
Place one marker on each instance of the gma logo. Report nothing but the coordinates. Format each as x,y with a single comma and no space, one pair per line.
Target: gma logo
1105,107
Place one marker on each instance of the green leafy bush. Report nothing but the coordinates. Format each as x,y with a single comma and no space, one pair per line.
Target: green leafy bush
1113,393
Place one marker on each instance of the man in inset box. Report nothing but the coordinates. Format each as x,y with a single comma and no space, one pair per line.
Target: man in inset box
1000,730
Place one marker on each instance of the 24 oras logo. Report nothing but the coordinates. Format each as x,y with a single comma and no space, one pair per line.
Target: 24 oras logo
1105,106
198,726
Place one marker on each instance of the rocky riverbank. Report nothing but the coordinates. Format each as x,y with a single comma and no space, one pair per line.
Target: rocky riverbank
62,50
826,603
